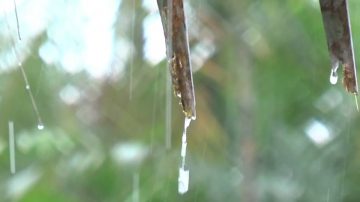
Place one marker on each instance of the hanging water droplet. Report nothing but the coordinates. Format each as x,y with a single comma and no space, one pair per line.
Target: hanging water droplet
19,64
183,180
40,126
333,77
27,87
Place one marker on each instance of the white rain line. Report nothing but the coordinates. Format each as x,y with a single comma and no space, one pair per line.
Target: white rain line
132,33
136,187
169,50
183,179
12,147
168,109
154,108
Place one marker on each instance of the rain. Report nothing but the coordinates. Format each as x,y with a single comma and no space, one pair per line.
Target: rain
97,98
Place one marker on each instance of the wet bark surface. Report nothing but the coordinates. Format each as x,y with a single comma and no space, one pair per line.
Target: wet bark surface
177,48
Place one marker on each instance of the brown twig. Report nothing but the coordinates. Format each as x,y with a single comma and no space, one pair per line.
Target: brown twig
338,32
177,50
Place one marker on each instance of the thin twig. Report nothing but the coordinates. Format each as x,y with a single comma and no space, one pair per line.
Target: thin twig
178,54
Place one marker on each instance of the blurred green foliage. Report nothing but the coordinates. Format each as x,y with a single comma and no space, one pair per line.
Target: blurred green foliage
258,92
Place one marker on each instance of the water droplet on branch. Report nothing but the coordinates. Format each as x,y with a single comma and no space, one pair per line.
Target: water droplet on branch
333,76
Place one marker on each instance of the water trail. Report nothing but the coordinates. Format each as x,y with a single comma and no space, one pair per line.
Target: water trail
40,124
136,187
154,108
183,179
17,20
168,109
132,33
328,196
12,147
356,102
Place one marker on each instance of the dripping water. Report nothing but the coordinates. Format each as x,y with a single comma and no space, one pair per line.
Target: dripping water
183,179
132,33
154,109
136,189
333,76
333,73
40,124
356,102
12,147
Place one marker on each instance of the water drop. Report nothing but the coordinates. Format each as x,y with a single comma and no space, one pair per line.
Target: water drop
40,126
333,77
183,180
27,87
19,64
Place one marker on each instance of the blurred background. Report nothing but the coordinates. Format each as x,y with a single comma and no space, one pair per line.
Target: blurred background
269,127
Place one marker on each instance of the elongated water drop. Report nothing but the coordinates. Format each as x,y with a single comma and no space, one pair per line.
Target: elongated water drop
333,76
356,103
183,179
136,187
12,147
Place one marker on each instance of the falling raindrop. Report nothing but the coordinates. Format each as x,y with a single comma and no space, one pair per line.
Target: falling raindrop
40,126
136,187
356,103
183,179
333,76
168,108
12,147
133,21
